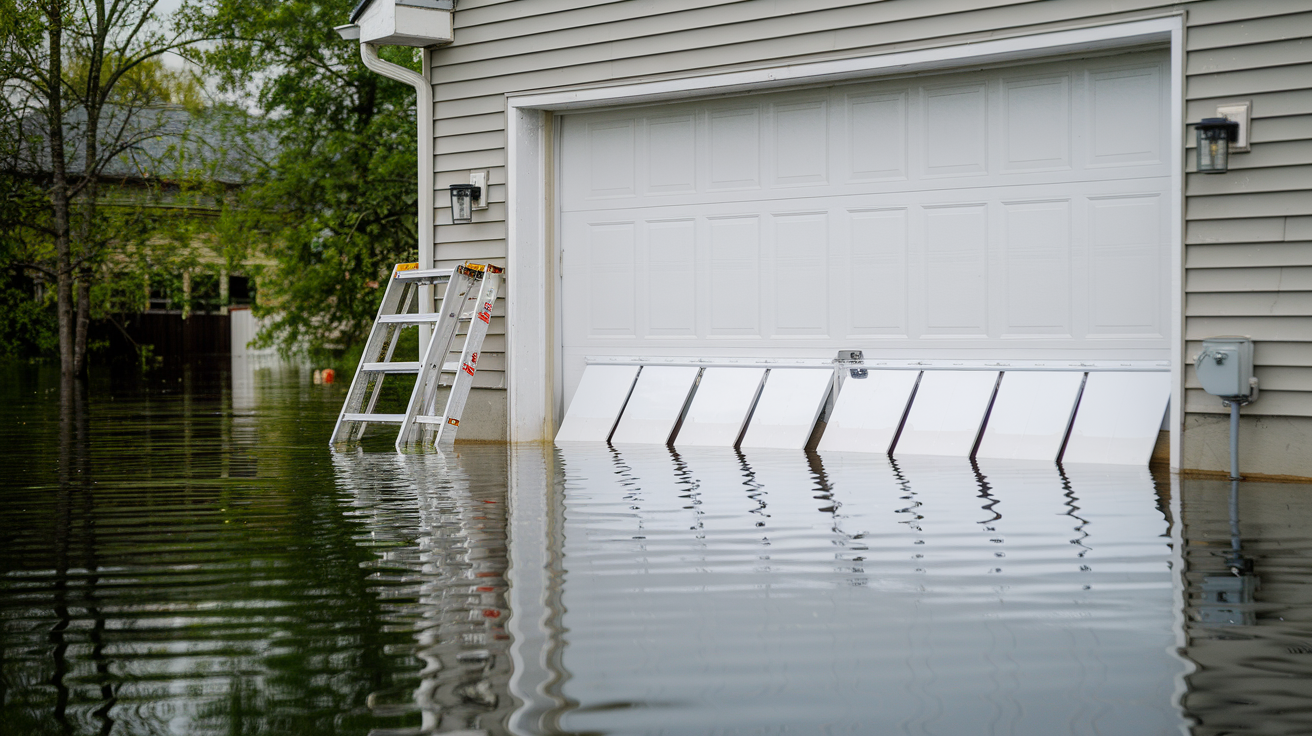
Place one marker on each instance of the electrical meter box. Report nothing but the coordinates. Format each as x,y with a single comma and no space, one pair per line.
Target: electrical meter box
1225,365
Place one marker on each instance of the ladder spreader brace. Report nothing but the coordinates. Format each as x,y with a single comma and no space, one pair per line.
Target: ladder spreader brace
471,291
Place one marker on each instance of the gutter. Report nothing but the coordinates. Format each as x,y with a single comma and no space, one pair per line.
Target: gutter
424,123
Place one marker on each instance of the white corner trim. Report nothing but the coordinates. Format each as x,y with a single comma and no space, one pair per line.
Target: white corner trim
527,310
1176,122
529,358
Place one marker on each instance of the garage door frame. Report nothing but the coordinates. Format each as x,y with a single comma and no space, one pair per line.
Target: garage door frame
533,337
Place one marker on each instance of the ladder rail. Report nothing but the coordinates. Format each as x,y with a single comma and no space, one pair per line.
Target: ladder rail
373,346
394,333
462,282
479,322
427,408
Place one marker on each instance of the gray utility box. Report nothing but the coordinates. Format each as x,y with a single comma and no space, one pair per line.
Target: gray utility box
1225,365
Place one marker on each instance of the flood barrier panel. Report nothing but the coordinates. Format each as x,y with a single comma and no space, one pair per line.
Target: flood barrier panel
1099,416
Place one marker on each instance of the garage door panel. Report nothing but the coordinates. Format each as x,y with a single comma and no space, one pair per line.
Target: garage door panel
611,164
801,286
735,281
1125,265
801,143
876,136
671,155
1032,126
1036,123
1036,270
610,297
878,273
869,250
735,148
976,188
954,131
1116,96
670,278
954,293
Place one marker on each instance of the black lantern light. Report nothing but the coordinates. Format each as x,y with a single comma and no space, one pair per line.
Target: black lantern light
463,197
1214,138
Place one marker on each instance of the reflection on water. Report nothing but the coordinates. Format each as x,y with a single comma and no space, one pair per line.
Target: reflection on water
1249,568
712,591
438,524
185,555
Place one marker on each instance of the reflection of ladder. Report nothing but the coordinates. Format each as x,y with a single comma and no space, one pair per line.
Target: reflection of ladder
471,290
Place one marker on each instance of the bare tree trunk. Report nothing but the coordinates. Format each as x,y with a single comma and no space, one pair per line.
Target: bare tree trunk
64,306
59,189
83,323
89,196
85,273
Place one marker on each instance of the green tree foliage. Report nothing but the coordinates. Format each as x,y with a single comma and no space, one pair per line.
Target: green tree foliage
28,325
334,204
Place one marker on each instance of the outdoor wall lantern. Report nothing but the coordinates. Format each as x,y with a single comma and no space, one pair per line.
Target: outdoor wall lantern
463,197
1214,138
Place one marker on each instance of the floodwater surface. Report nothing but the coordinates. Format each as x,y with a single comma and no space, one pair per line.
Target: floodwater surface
183,554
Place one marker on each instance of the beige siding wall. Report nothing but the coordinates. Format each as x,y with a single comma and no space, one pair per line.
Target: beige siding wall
1248,237
1248,233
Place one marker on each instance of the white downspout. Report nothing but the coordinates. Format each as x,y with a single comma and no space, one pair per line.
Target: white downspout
424,123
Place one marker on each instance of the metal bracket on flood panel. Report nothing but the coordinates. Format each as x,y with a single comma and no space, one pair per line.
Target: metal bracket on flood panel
853,356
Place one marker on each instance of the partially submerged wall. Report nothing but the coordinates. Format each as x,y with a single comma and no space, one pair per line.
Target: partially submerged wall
1248,233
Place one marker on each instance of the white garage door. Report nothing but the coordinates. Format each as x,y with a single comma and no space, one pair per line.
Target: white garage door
1017,213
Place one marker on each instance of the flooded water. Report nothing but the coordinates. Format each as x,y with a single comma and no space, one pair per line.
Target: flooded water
184,555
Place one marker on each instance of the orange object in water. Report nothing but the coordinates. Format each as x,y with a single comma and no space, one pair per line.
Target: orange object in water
328,375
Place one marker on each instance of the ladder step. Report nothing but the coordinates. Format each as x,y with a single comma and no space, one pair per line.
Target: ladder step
381,418
410,318
397,366
430,420
431,275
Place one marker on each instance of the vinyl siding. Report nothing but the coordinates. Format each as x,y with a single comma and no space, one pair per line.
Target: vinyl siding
1247,247
1248,234
1252,31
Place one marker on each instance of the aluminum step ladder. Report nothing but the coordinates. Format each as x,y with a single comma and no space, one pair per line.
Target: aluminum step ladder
471,290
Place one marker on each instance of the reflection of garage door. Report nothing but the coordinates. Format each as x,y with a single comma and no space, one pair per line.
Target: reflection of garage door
1015,213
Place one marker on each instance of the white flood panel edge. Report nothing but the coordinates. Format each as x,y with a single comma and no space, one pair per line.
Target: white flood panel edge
868,411
1030,415
1118,419
655,404
597,403
946,413
720,406
789,406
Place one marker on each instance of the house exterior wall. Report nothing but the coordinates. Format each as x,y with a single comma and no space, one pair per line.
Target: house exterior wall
1248,234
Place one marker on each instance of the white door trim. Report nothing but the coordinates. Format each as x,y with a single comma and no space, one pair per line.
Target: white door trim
529,359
